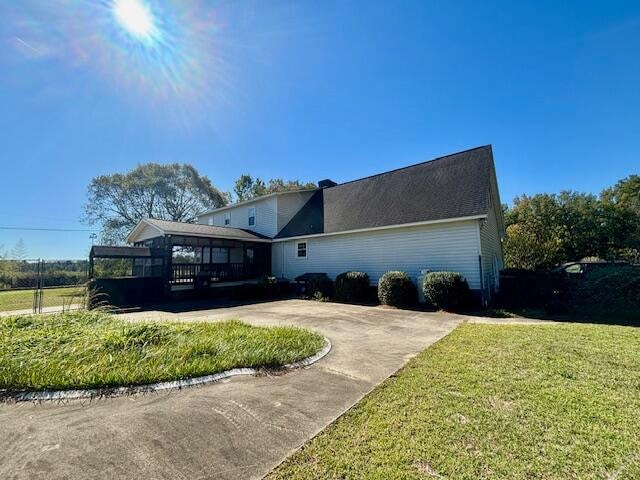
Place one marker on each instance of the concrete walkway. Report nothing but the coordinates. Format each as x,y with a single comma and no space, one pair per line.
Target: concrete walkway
239,428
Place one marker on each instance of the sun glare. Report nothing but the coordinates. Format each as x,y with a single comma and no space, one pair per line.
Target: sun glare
135,17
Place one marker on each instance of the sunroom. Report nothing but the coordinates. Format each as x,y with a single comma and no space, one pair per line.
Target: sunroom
201,256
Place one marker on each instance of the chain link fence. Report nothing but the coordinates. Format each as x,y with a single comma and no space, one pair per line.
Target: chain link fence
42,286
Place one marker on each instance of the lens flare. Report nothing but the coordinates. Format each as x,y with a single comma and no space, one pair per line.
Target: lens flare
164,55
135,17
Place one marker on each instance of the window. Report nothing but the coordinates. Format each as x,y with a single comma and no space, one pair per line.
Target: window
184,254
211,220
252,216
227,218
219,255
302,250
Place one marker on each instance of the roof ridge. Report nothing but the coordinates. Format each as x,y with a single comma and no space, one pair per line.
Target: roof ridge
414,165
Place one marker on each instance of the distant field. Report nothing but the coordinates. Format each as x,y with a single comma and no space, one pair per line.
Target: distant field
52,297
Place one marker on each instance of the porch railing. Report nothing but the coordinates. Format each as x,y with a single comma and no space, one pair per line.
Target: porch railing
187,273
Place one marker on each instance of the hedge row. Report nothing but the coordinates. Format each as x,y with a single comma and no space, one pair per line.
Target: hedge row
49,279
443,290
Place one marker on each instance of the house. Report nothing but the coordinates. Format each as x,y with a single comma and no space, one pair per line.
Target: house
443,214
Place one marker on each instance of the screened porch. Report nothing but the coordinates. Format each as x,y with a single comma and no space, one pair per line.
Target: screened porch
196,262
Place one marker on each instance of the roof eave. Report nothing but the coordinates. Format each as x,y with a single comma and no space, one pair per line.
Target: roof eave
223,237
386,227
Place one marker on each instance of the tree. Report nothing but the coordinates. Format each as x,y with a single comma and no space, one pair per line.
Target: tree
533,236
170,192
621,206
545,230
242,187
246,187
19,251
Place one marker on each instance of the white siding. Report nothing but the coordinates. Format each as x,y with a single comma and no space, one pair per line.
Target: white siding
451,246
148,232
491,249
288,206
266,217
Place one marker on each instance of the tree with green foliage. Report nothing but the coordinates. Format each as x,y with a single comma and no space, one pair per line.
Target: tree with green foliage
621,204
174,191
531,241
246,187
243,187
546,230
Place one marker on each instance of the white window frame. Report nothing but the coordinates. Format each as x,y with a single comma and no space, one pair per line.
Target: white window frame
251,210
306,250
227,218
210,222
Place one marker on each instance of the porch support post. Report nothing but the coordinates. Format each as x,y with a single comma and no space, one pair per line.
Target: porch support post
168,265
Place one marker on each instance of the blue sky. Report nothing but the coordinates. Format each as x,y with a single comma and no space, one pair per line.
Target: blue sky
310,90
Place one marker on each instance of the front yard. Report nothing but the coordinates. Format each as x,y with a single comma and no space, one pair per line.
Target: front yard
89,350
494,401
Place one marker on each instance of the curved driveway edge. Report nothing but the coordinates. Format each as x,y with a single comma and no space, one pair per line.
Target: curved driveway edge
80,393
236,428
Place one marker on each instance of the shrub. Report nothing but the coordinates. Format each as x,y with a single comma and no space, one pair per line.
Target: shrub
446,290
396,289
607,290
319,287
268,287
352,286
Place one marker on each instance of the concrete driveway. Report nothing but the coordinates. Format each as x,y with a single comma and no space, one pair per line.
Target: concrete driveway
240,428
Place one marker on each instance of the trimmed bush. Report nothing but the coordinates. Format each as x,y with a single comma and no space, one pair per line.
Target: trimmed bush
446,290
319,287
352,287
396,289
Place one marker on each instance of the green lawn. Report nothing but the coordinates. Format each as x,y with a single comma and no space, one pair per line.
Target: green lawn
494,401
99,350
52,297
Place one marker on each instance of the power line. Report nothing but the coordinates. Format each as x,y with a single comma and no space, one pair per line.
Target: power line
44,229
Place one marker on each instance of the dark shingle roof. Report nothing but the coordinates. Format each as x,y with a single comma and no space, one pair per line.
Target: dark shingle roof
308,220
181,228
454,186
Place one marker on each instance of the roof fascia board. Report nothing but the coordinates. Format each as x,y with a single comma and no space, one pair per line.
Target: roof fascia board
223,237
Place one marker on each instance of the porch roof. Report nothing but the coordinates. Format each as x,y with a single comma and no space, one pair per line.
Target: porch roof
165,227
109,251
